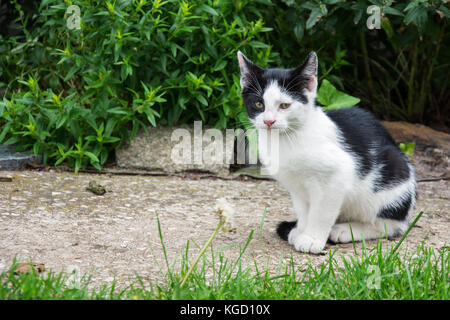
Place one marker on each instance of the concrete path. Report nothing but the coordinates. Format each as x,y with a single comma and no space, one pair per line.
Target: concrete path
51,218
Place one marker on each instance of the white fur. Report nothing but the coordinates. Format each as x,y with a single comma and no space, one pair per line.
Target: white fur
327,194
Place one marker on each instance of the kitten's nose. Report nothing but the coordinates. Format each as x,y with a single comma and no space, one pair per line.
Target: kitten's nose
269,123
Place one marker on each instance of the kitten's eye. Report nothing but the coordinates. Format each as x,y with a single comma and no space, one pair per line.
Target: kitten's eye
259,105
284,105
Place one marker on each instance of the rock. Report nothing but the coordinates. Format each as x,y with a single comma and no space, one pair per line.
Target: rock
96,188
423,136
156,151
9,159
6,179
28,268
431,156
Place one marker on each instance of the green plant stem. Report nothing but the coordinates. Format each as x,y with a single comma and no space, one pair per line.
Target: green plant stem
362,39
411,82
163,246
405,235
202,252
423,89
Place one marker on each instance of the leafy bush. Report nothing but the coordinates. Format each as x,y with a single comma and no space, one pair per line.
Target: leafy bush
400,72
76,95
131,64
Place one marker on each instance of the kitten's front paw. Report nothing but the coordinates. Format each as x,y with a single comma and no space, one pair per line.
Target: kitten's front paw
306,243
293,234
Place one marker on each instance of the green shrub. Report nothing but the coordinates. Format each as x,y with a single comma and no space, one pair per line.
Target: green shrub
400,72
131,64
76,95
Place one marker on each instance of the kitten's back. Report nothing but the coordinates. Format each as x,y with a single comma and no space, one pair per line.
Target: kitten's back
365,137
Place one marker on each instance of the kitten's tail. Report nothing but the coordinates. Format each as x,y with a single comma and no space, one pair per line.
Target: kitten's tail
284,228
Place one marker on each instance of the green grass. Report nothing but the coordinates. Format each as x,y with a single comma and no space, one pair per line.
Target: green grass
373,273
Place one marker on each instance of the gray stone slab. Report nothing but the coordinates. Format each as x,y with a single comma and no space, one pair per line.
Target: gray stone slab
154,151
10,160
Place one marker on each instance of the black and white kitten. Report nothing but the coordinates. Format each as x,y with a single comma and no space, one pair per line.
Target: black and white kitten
343,170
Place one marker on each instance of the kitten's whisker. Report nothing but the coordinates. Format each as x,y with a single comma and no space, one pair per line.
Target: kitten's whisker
292,82
251,84
288,135
256,80
258,95
254,89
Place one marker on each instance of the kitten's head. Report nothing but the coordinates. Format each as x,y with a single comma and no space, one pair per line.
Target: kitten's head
278,98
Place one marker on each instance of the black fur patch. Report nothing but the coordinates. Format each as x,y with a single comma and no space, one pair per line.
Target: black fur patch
284,228
361,132
292,81
395,167
399,212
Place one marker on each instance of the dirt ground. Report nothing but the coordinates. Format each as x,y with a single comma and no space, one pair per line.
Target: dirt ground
51,218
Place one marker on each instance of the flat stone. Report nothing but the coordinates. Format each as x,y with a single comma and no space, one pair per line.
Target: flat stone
10,160
154,151
423,136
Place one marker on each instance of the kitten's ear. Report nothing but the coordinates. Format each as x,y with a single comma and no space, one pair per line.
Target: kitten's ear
247,69
309,71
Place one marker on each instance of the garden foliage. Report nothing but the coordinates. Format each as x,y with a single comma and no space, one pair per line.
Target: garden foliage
75,95
400,72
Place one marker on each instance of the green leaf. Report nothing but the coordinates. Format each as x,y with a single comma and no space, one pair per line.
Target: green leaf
208,9
61,159
418,16
387,27
103,156
5,131
118,110
226,109
110,139
62,120
220,65
202,99
407,148
11,140
258,44
444,10
90,138
392,11
71,72
91,156
332,1
36,147
299,31
411,5
96,165
150,117
331,98
312,20
78,164
173,48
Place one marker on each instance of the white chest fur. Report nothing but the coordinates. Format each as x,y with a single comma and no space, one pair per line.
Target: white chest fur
312,152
